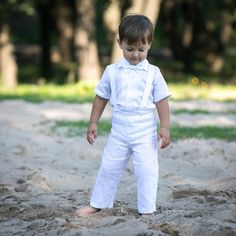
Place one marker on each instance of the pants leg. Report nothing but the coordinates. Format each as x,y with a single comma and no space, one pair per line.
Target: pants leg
146,172
114,160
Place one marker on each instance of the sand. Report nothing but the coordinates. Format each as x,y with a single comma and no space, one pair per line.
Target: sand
45,176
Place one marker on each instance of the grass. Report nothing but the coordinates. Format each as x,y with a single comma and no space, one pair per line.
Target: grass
206,132
200,111
203,91
83,92
78,128
77,93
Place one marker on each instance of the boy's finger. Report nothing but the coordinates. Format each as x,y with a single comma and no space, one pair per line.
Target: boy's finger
165,142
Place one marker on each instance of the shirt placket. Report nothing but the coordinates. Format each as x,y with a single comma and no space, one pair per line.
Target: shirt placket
130,89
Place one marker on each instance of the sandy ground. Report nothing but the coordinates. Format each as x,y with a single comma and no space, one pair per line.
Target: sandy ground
45,177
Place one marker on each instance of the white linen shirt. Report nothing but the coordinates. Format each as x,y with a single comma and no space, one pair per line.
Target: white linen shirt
130,82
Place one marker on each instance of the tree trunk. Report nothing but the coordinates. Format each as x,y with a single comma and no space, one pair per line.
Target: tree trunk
187,36
216,58
64,22
149,8
111,19
8,66
86,47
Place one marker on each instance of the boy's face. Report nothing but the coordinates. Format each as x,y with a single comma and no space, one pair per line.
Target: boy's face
134,53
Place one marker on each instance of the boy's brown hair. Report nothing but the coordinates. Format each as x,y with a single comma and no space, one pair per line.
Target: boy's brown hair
134,28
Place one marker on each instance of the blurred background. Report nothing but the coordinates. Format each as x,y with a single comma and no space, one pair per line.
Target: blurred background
69,41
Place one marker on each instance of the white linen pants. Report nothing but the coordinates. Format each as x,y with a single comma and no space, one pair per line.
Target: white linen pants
130,134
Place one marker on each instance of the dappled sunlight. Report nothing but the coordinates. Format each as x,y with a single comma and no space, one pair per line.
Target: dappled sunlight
201,90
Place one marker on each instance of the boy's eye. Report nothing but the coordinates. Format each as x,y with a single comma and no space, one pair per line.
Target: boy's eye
129,49
141,49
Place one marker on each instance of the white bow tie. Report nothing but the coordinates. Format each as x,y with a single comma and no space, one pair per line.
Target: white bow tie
134,67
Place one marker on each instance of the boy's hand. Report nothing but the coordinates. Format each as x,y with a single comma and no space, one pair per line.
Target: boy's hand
92,133
164,137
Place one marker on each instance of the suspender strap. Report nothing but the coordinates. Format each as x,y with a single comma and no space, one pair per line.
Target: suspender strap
113,87
148,86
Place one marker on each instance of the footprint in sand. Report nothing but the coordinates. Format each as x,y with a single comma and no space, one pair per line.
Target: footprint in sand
34,183
210,197
188,191
20,150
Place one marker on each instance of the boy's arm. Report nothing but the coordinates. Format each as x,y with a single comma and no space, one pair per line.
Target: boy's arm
99,104
164,117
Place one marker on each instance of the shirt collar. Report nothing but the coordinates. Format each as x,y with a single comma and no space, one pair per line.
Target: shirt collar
123,63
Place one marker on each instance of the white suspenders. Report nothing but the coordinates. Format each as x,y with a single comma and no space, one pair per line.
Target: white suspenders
113,87
148,87
147,90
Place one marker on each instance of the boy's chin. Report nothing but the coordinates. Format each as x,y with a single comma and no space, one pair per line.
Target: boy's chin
134,62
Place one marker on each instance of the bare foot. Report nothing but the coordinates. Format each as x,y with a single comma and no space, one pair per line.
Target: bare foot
85,211
148,215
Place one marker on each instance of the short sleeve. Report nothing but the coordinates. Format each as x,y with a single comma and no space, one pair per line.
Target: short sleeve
160,89
103,88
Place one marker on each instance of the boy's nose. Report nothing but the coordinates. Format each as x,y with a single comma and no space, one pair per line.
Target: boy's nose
135,54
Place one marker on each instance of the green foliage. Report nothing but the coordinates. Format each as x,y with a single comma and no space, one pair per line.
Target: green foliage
206,19
28,74
63,73
197,32
28,7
